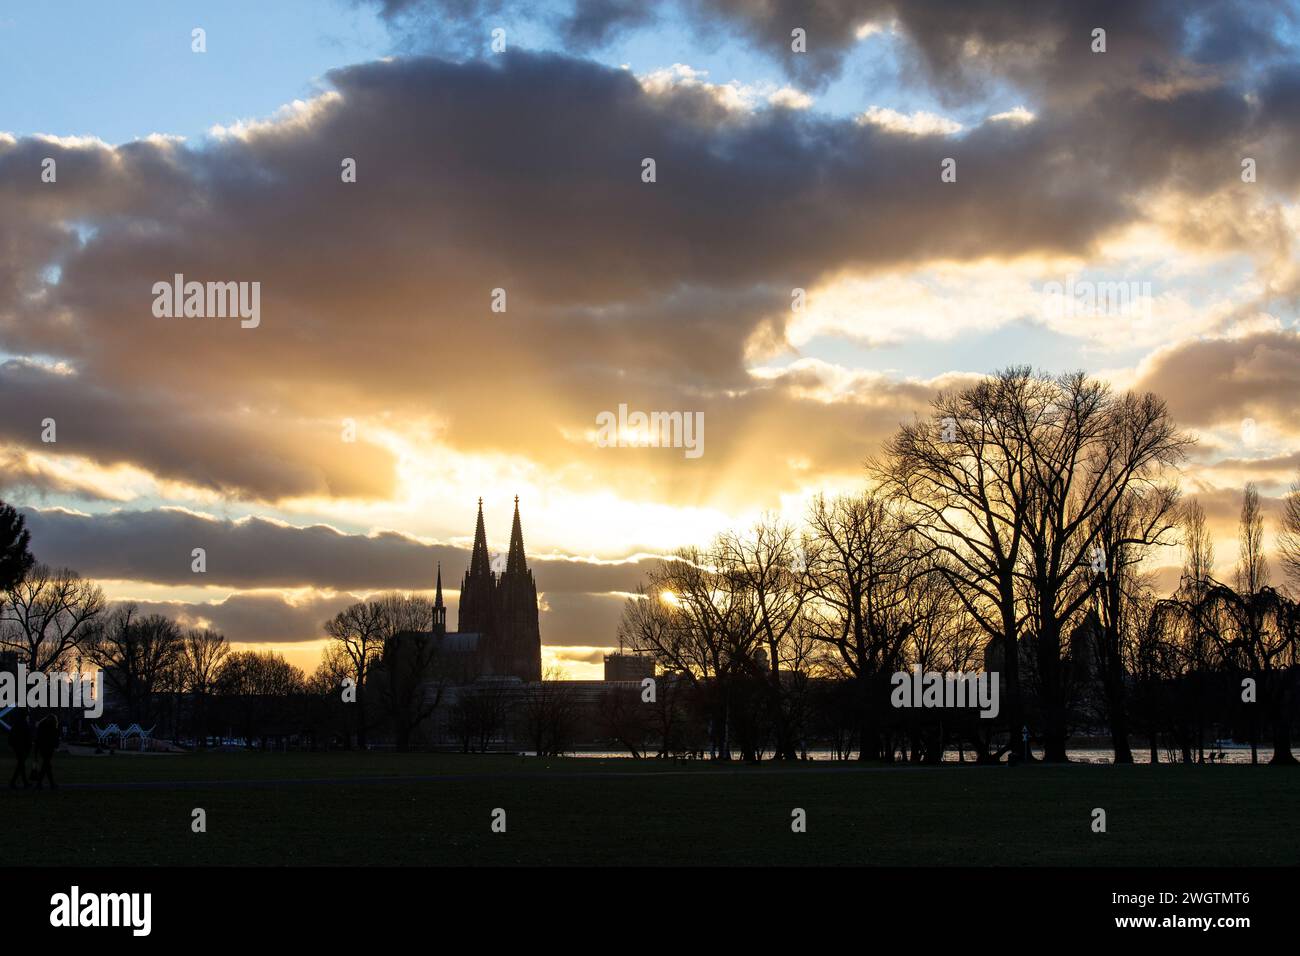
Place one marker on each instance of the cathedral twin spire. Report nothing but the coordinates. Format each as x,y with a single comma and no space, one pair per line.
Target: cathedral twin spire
501,607
479,561
516,563
481,583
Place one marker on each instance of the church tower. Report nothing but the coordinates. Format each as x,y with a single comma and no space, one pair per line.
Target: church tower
439,609
517,642
500,608
474,615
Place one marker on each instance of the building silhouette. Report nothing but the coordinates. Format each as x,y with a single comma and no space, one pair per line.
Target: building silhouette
497,634
628,667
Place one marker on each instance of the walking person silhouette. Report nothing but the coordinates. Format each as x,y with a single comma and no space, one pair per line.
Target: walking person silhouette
47,738
20,739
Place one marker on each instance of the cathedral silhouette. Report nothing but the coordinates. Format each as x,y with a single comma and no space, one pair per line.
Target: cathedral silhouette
497,633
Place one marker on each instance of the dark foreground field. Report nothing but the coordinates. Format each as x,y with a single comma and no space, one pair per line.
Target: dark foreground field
349,808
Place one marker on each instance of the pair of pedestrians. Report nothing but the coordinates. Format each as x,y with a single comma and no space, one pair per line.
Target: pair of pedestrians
44,738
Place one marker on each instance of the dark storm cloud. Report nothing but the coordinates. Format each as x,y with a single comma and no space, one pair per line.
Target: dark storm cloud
1042,47
155,547
957,45
596,22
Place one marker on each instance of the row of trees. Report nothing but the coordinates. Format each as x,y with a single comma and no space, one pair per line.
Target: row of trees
55,620
380,669
52,619
1015,526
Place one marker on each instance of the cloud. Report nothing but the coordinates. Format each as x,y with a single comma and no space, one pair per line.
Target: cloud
919,123
960,47
1016,114
376,295
257,618
593,23
733,97
524,173
585,620
183,435
1215,381
581,618
455,25
155,547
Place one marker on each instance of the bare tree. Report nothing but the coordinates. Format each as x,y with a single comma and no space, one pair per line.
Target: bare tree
1088,451
1012,480
1193,652
624,717
137,655
257,687
46,615
1288,538
875,585
1252,564
405,613
1198,545
1250,631
1143,518
965,478
330,715
334,667
768,564
360,631
1258,635
695,616
478,718
407,678
204,651
550,713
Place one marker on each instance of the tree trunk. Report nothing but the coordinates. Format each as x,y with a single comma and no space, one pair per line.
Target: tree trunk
1011,681
1119,737
361,717
1049,666
1115,700
720,738
868,737
1282,742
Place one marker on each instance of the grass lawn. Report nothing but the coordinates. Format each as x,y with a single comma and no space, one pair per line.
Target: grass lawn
352,808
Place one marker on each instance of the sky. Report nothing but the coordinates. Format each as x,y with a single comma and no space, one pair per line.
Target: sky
514,161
